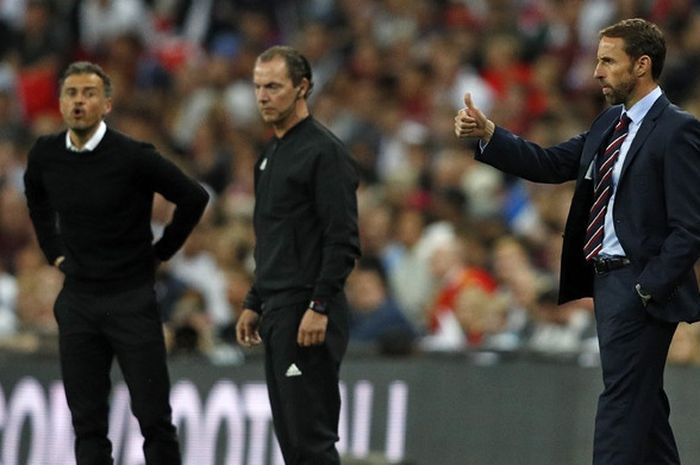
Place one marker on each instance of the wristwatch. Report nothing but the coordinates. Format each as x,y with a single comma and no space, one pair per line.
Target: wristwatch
319,306
642,294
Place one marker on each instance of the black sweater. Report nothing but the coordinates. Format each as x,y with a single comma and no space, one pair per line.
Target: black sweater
305,218
94,208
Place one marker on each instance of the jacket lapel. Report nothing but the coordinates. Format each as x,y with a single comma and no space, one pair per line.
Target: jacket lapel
645,129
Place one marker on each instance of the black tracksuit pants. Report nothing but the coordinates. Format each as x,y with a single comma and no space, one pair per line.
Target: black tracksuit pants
93,329
302,383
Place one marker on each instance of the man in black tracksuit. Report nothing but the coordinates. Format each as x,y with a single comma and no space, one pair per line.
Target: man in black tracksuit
306,244
90,194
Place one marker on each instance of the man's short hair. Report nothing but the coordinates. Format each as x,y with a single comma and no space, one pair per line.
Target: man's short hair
298,66
641,37
86,67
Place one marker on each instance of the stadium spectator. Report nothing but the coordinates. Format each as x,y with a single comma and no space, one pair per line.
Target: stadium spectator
558,330
375,316
448,266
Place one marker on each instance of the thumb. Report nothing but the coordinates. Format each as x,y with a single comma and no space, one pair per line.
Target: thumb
468,100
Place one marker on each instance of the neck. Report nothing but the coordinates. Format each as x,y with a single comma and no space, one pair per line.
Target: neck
79,137
300,112
642,91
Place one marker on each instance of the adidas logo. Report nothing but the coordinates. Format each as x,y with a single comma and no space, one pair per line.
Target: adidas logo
293,370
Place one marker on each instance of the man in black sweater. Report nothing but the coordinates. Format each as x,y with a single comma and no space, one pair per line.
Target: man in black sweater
90,193
307,241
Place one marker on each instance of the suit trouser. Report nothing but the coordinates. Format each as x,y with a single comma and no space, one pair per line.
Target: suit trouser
305,401
93,329
632,426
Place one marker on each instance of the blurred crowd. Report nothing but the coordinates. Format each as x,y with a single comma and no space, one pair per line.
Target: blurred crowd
457,257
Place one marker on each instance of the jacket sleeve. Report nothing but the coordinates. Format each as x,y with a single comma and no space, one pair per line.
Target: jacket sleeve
514,155
189,197
252,300
43,216
336,207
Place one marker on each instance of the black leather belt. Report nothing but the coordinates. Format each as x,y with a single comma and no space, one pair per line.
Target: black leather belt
606,264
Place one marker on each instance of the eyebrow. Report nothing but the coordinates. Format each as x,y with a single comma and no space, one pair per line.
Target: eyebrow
81,87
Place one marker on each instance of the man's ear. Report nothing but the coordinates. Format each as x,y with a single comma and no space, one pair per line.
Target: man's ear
642,66
108,106
303,88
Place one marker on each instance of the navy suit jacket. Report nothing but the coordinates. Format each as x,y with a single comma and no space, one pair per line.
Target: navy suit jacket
657,203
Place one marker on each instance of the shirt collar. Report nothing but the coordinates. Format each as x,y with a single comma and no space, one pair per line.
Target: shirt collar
92,143
640,109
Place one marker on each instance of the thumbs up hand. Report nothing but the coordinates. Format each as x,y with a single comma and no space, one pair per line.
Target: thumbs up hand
471,122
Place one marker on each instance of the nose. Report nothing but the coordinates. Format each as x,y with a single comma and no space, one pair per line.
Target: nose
262,95
597,73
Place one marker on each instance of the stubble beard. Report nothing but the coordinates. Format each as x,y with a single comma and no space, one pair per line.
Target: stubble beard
621,93
82,130
279,118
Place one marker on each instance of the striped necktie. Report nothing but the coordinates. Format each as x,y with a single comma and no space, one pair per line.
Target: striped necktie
605,162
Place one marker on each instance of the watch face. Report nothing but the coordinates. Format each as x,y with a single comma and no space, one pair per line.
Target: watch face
317,306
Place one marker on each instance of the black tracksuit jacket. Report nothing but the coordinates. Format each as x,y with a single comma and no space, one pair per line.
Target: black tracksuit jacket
305,218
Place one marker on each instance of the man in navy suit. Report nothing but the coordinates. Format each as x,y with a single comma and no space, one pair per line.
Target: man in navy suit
632,235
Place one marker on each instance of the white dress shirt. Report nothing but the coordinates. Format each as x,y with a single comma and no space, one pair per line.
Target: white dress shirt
92,143
611,244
